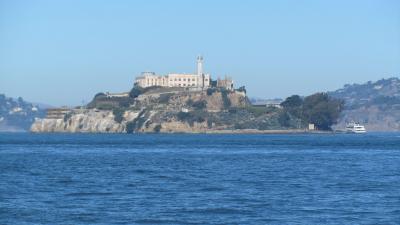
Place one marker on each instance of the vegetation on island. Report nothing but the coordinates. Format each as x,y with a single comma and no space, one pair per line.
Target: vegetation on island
319,109
165,104
181,109
118,114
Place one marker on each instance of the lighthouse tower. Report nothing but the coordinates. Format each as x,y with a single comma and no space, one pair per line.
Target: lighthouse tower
199,65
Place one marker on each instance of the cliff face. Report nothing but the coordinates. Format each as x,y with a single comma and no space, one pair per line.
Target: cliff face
158,111
80,121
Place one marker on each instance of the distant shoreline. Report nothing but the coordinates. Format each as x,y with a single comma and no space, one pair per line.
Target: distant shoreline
238,131
247,131
254,131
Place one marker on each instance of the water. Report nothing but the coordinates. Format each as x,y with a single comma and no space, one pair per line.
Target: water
199,179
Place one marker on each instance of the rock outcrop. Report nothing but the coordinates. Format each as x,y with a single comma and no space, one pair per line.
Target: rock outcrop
157,111
81,121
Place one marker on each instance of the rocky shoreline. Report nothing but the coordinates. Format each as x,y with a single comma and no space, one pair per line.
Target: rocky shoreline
161,110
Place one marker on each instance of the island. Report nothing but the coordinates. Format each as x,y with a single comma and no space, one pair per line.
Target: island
191,103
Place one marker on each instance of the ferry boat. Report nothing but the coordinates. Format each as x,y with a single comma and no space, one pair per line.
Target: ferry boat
355,128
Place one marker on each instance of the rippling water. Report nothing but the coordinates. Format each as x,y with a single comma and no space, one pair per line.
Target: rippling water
199,179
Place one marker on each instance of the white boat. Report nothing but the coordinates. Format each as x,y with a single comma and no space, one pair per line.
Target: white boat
355,128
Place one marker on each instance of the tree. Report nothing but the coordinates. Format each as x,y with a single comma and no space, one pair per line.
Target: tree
100,94
293,105
211,91
200,104
242,89
135,92
157,128
292,102
321,110
284,119
20,100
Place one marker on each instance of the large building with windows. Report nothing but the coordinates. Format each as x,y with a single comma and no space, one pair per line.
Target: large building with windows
197,80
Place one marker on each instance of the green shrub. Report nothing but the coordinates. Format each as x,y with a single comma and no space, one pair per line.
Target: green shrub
183,116
242,89
232,110
157,128
124,102
201,104
239,126
100,94
105,106
225,99
130,127
191,117
210,91
284,119
164,98
189,102
135,92
118,114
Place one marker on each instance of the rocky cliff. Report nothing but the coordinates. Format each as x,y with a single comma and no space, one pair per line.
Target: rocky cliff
157,110
80,121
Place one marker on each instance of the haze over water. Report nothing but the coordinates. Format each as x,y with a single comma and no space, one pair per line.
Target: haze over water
199,179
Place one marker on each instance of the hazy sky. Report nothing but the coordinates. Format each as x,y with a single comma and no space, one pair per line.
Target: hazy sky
63,52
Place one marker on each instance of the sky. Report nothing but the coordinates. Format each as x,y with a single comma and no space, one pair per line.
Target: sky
64,52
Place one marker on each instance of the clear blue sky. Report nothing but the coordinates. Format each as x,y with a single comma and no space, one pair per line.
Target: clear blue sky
63,52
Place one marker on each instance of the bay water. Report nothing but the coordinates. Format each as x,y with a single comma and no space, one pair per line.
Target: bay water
199,179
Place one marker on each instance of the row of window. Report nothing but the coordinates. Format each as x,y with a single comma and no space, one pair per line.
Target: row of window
177,79
185,85
184,79
154,83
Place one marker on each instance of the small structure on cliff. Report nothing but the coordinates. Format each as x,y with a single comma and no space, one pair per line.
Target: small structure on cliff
226,83
57,113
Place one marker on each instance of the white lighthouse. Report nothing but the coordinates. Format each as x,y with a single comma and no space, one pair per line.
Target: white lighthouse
199,65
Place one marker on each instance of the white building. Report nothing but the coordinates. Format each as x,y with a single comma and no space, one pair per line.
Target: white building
198,80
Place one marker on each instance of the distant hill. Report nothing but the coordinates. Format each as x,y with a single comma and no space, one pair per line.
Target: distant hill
263,101
374,104
17,114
